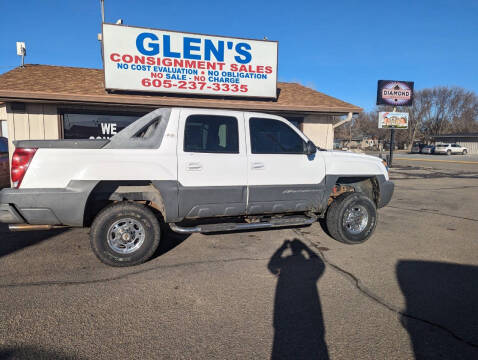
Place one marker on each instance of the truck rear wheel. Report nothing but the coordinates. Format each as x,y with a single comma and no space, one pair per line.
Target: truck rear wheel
125,234
351,218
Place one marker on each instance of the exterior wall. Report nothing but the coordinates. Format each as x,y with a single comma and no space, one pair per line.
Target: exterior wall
319,129
470,143
37,122
472,146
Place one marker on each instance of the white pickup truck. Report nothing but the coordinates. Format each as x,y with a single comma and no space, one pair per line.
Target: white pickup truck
197,170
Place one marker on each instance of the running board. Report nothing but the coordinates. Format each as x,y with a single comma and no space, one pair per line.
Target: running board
28,227
209,228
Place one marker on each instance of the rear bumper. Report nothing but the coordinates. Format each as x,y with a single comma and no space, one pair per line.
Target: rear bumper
9,215
386,192
45,206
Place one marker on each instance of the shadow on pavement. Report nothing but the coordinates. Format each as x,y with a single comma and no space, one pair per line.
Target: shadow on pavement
299,331
169,240
32,352
14,241
444,296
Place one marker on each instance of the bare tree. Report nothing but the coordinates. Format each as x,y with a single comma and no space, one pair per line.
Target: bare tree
435,111
452,110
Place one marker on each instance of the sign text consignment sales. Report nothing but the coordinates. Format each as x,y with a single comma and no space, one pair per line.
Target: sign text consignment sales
139,59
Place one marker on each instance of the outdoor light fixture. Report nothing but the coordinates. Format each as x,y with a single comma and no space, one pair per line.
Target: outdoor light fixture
21,50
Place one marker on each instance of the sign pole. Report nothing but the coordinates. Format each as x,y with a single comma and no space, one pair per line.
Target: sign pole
392,138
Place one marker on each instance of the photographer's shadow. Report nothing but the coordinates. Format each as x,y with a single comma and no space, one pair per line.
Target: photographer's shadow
299,331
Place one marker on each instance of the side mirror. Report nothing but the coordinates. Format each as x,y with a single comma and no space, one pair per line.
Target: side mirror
310,148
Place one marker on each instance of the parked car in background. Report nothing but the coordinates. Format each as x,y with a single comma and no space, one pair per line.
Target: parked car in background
4,167
417,148
429,149
449,149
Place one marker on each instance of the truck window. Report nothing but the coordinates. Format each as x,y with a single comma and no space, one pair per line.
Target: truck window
211,134
269,136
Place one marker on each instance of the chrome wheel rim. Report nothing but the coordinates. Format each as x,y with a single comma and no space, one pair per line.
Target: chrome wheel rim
126,236
355,219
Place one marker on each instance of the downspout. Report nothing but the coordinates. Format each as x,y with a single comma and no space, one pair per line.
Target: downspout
346,120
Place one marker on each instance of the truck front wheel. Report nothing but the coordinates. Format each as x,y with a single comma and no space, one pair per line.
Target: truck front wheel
351,218
125,234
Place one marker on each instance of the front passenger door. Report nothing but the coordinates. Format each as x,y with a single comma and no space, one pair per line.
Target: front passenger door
281,176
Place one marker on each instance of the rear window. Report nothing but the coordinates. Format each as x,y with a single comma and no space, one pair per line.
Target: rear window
211,134
441,145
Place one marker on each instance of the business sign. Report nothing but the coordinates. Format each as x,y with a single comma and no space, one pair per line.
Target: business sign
396,93
392,120
139,59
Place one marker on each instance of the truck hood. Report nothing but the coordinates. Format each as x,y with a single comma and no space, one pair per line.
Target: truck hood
348,163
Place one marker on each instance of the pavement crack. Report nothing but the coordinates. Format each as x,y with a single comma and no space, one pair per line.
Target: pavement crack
433,212
377,299
126,275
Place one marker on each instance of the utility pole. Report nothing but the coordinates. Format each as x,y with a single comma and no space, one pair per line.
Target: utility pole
100,35
102,11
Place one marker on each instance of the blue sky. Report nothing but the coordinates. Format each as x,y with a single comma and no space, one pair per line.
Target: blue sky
338,47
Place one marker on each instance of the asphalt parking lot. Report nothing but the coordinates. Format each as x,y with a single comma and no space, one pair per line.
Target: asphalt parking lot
409,292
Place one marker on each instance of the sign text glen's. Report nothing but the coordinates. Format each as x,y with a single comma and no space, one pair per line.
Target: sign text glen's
141,59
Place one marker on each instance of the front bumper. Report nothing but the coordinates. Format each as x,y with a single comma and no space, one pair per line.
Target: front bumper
386,192
9,215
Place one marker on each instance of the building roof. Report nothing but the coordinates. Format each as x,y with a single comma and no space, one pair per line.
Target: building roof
468,135
82,85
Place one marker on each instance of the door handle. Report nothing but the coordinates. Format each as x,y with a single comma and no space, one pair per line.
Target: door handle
257,166
194,166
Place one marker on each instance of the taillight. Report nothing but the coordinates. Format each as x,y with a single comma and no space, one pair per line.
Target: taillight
21,159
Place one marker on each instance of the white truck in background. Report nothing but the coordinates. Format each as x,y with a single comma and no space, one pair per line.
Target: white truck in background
197,170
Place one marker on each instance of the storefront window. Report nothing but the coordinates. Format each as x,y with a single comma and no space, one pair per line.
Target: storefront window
296,121
95,126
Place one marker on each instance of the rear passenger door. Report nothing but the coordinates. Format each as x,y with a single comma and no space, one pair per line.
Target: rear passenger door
281,176
212,163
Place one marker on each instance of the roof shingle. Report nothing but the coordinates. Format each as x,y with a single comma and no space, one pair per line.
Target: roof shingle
73,84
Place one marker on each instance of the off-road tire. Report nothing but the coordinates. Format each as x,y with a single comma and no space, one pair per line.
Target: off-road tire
336,213
114,213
